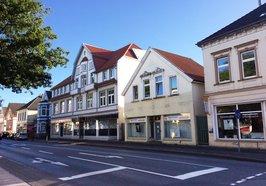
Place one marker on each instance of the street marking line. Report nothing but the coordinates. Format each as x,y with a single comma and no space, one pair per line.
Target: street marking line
26,148
199,173
45,152
1,156
93,161
41,160
92,173
101,156
180,177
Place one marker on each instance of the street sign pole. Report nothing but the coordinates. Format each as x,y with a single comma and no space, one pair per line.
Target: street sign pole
238,134
238,116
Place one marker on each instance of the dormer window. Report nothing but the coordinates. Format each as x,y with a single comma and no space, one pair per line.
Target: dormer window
112,73
83,67
104,75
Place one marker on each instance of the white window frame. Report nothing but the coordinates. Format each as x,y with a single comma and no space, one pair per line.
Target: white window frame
79,103
146,85
158,83
102,98
105,75
62,106
222,66
111,96
112,73
248,60
83,80
56,109
172,90
135,96
69,105
43,108
89,100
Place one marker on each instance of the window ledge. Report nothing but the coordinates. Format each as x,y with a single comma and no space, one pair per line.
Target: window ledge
257,77
146,99
135,101
228,82
158,97
172,95
177,139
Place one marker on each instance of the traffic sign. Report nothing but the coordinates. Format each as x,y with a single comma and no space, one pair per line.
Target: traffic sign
237,114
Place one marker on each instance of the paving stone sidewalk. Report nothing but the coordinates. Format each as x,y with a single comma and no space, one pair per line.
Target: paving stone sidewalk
8,179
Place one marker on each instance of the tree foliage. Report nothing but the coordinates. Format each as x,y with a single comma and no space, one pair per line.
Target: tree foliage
26,52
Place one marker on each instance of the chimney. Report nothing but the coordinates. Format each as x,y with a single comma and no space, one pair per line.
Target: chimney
259,1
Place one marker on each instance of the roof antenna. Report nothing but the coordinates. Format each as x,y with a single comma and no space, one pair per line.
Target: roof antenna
259,1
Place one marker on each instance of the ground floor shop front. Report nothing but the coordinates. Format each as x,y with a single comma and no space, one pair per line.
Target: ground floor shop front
175,128
90,128
238,117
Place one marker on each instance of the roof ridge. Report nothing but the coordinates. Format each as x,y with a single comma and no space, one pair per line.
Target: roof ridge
97,47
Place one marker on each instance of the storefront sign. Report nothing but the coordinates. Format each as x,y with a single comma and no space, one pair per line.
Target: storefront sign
137,120
177,117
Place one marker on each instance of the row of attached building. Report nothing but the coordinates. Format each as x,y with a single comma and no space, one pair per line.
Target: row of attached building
153,95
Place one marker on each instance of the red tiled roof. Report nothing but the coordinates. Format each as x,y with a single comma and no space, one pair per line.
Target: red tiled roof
191,68
62,83
104,59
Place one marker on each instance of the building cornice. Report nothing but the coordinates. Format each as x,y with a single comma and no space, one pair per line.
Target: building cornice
235,90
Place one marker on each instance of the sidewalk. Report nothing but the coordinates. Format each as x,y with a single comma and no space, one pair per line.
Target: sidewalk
253,155
8,179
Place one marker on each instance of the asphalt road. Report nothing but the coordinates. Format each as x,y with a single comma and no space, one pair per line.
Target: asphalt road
42,164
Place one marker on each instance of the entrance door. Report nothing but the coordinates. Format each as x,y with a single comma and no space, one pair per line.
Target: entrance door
202,130
61,128
81,130
158,131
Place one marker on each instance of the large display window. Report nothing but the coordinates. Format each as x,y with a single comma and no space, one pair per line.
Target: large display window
136,128
250,123
178,126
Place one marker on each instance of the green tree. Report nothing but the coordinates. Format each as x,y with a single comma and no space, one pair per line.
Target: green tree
26,51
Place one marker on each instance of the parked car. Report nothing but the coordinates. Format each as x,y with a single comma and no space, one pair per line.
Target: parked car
11,136
21,136
1,135
5,134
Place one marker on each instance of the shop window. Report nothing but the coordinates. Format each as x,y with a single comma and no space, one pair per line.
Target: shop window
107,127
67,130
90,128
251,122
136,130
55,129
223,69
176,129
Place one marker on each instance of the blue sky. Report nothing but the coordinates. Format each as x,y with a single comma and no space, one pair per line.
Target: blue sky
171,25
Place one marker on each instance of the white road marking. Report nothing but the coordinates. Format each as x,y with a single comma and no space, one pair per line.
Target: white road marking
45,152
101,156
41,160
26,148
1,156
248,178
199,173
180,177
92,173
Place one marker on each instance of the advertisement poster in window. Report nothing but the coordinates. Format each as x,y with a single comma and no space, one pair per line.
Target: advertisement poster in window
228,124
